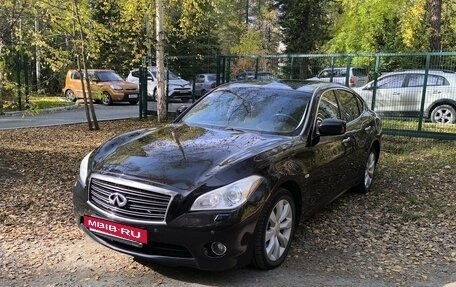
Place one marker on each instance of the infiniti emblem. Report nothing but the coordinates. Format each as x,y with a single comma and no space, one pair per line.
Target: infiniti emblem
117,199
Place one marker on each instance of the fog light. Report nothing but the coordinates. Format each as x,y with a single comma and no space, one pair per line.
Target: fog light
218,248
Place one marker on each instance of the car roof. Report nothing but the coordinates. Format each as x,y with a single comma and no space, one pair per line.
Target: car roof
422,71
298,85
93,70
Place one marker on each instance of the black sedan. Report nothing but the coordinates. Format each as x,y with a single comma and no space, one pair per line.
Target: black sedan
226,183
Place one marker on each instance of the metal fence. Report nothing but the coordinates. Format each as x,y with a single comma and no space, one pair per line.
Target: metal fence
414,93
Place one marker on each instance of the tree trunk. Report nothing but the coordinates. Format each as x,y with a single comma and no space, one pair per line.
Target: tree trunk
160,60
37,56
435,22
88,99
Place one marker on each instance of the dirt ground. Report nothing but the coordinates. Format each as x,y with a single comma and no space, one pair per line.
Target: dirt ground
403,233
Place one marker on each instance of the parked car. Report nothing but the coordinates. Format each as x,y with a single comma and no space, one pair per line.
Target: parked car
106,85
204,83
357,76
399,94
227,182
177,88
259,75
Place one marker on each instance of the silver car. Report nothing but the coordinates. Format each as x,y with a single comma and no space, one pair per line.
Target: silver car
177,88
204,83
357,76
399,94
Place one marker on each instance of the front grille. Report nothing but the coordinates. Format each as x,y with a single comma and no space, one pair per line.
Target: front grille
145,203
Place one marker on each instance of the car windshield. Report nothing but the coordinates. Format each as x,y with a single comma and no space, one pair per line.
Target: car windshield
211,78
251,108
170,75
108,76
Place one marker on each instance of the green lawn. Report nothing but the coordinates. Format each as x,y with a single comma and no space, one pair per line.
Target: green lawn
36,103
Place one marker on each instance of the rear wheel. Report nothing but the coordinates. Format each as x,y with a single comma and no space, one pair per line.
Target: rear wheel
444,114
369,172
106,100
70,96
274,231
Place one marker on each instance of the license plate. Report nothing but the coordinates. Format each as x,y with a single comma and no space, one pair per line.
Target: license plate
133,96
115,229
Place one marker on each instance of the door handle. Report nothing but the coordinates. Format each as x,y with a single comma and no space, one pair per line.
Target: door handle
368,128
396,94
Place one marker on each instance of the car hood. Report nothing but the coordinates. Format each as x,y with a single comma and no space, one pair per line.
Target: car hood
179,83
124,85
181,156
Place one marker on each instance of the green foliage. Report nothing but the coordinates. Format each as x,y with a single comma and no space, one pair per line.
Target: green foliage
305,24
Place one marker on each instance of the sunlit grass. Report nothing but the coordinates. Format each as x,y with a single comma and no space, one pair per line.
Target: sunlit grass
413,125
36,103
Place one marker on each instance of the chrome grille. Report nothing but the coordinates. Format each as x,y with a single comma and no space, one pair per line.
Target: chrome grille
145,203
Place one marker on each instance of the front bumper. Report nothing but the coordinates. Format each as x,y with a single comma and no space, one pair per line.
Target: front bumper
185,240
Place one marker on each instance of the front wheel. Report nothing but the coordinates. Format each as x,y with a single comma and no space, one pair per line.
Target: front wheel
274,231
444,114
106,100
133,102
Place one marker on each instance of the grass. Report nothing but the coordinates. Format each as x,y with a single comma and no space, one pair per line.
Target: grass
412,125
421,172
35,103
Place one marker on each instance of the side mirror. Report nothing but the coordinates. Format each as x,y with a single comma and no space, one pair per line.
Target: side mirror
181,109
332,127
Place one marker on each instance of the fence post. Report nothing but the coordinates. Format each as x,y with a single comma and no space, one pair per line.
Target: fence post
423,94
256,66
376,73
143,87
347,71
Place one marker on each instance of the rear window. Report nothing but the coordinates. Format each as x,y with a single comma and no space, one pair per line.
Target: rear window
359,72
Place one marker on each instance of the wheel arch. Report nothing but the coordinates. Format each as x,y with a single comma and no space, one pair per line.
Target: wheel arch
439,102
376,146
294,189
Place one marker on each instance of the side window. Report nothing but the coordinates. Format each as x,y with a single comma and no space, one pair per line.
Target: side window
415,80
389,82
76,76
434,80
135,73
350,106
327,108
325,74
200,79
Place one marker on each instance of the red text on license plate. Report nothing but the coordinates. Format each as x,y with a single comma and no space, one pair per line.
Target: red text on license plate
115,229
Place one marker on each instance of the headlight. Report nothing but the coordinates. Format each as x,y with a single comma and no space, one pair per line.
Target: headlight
228,197
116,87
83,169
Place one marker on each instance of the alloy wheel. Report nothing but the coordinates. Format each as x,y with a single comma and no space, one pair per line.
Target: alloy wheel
278,230
370,170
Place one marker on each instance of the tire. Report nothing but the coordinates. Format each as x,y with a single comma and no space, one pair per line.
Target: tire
271,240
203,92
444,114
369,172
106,100
133,102
154,97
70,96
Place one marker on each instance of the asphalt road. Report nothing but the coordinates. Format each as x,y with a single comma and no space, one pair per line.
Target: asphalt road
74,115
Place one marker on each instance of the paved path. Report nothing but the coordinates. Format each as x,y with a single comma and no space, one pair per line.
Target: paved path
75,115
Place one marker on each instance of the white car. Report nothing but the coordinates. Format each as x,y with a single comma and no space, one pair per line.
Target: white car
177,88
357,76
399,94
